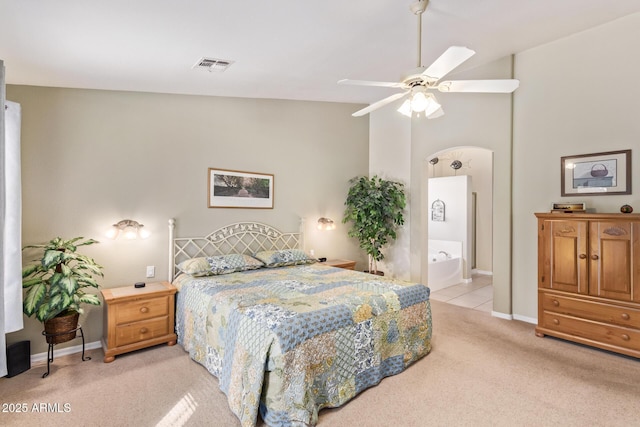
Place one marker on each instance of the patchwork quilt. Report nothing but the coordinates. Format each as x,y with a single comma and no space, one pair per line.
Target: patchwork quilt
286,342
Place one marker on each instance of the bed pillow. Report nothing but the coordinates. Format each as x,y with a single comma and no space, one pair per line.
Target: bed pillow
221,264
284,257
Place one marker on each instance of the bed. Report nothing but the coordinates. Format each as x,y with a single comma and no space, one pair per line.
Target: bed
287,336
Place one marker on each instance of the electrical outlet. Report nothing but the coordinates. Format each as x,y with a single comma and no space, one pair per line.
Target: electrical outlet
312,252
151,270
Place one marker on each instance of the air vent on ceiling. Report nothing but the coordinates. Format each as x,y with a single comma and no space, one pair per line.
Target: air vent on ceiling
212,64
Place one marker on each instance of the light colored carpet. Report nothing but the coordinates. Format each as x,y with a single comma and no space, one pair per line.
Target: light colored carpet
483,371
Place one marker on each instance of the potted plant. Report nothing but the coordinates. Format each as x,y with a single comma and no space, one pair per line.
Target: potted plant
56,286
375,208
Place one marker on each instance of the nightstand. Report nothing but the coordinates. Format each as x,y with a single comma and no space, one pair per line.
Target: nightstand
341,263
136,318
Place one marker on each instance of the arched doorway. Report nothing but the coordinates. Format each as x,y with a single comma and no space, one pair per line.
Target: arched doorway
459,226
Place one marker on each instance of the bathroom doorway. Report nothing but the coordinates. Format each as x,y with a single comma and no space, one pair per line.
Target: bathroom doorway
463,177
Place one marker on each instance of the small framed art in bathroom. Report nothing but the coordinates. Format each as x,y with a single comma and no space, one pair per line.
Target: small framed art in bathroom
437,210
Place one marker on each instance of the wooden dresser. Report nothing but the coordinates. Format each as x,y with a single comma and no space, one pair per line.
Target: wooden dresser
589,279
136,318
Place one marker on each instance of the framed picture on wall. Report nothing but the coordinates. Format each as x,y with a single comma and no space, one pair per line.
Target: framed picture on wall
596,174
239,189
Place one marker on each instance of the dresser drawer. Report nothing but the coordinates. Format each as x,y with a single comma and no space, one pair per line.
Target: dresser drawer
603,333
593,310
140,310
141,331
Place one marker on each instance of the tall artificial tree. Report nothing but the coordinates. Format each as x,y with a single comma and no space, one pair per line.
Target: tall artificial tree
375,209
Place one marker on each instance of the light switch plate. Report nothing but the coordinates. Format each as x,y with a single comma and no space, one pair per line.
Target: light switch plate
151,270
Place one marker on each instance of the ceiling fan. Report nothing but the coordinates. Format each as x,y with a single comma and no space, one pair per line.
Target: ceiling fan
419,81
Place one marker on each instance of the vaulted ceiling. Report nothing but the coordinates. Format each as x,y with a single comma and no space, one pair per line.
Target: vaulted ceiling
282,49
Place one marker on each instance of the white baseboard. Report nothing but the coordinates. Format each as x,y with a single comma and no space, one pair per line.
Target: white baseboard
502,315
486,273
42,357
514,317
525,319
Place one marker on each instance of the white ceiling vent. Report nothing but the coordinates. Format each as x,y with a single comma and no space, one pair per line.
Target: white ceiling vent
212,64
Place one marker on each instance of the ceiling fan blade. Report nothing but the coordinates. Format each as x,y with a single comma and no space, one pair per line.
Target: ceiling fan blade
449,60
369,83
488,86
379,104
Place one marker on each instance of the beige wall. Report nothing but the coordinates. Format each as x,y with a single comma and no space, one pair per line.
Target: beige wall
92,158
390,158
578,95
478,120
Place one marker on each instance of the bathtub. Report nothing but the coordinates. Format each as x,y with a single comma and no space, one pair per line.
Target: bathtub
445,264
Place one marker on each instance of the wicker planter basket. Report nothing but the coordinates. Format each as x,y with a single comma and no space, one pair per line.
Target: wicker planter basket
599,170
60,325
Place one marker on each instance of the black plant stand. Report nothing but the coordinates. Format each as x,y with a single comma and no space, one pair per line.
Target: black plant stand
50,350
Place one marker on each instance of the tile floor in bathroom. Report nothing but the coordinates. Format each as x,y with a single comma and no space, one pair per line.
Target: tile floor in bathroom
477,295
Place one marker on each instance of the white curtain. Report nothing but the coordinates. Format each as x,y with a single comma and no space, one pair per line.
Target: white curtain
10,222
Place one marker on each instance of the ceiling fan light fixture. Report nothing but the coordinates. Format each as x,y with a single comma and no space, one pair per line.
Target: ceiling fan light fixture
419,101
405,108
432,106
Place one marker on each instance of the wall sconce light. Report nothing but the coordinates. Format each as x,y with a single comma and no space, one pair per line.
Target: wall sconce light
326,224
129,229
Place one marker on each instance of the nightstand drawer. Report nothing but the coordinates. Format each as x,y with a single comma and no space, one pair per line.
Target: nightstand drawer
141,331
141,310
136,318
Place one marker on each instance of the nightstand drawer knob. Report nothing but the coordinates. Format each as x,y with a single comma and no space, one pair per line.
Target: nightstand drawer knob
144,309
144,330
555,302
556,322
625,316
625,337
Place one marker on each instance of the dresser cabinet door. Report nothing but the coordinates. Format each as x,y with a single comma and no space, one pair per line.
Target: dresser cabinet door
612,244
566,251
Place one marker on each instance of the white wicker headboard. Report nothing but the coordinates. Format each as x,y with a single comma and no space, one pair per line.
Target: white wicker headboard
240,238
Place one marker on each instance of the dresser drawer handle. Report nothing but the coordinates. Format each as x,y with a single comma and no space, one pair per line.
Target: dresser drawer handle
555,302
144,309
625,316
582,256
144,330
625,337
556,322
595,257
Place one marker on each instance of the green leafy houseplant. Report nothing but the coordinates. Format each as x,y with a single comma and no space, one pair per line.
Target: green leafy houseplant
375,208
56,283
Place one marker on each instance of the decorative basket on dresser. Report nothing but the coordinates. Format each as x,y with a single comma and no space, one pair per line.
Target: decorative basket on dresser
589,279
136,318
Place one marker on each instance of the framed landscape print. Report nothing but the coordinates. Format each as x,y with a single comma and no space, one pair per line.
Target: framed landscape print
239,189
596,174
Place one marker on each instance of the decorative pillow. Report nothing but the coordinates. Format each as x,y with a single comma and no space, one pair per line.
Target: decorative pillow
195,267
221,264
284,257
